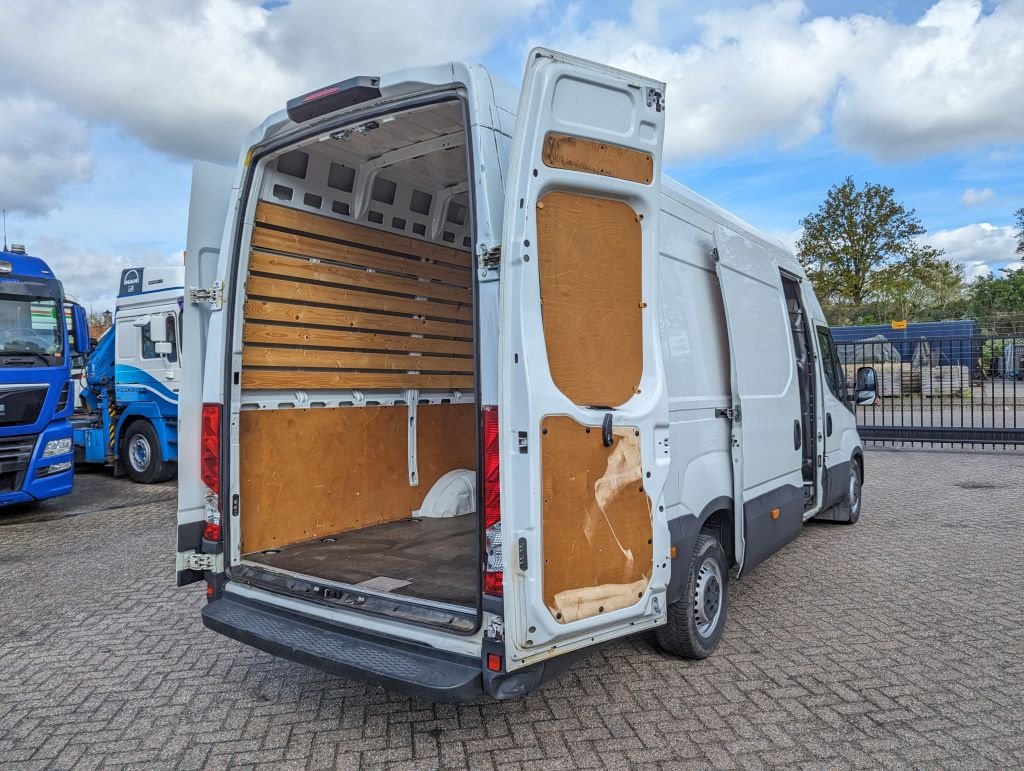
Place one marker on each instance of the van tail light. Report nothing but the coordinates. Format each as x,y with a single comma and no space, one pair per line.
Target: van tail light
494,567
209,469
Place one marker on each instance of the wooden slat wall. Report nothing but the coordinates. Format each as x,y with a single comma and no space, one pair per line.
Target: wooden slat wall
332,304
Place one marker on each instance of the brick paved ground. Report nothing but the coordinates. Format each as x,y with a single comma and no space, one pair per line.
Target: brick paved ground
899,641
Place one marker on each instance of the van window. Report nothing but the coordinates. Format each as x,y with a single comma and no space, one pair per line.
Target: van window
148,347
830,364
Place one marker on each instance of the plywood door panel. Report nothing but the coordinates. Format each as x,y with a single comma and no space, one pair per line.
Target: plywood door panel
590,261
285,217
316,472
562,151
596,520
306,246
255,378
257,356
281,334
265,310
305,270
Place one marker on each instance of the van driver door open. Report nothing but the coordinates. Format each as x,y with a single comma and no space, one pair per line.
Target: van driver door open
583,412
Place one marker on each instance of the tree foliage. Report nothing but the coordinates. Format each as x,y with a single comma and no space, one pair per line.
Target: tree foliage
1019,214
862,251
998,302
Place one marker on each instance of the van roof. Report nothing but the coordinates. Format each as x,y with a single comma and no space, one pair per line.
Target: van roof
716,213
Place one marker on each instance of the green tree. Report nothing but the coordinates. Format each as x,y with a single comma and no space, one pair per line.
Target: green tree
998,302
1020,231
862,251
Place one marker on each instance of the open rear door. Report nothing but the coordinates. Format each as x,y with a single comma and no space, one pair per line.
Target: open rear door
767,479
583,408
207,217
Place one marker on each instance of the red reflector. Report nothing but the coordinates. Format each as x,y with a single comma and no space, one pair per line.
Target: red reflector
491,480
211,532
494,583
494,662
209,450
210,590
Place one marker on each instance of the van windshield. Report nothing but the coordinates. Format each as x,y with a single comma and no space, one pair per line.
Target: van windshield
30,323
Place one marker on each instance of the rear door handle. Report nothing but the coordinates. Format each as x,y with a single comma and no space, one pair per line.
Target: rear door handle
606,430
796,434
828,424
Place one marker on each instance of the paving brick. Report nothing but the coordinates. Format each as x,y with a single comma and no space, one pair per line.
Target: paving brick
897,642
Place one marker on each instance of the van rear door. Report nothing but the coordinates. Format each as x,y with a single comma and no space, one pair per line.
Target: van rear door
767,478
583,412
212,194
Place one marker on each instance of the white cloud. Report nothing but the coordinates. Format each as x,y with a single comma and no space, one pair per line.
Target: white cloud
980,248
890,89
189,78
91,277
973,197
42,149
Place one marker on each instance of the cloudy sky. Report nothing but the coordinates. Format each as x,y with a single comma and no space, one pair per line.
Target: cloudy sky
104,104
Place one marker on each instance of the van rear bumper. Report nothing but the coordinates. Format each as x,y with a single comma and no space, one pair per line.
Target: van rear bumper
423,672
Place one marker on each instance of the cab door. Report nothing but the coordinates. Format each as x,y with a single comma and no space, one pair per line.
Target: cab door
583,412
767,476
212,194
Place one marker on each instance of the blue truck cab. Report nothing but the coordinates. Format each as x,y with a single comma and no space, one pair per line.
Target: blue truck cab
36,401
130,395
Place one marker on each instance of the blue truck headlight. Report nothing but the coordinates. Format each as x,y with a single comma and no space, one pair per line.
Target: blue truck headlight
56,468
57,447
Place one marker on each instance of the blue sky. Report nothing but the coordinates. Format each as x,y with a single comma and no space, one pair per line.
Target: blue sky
769,104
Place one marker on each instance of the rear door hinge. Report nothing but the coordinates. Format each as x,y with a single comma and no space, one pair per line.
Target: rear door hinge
489,258
656,99
732,413
213,296
199,562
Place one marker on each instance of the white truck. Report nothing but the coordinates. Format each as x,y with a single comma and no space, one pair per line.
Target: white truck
470,387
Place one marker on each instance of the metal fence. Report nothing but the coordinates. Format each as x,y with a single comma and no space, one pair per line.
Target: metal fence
949,391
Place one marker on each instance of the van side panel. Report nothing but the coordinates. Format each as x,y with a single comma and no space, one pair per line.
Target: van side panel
696,351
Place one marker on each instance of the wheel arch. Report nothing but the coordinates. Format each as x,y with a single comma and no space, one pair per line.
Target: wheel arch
715,518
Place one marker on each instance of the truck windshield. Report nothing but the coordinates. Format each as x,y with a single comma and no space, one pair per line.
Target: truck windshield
30,323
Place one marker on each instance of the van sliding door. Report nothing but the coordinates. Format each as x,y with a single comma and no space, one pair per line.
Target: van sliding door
583,409
768,485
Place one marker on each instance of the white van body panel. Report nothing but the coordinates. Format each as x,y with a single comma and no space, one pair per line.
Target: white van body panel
214,190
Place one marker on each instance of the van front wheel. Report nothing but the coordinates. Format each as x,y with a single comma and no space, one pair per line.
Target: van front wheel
140,453
696,620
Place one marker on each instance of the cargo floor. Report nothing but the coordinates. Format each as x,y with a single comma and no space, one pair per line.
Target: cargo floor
436,557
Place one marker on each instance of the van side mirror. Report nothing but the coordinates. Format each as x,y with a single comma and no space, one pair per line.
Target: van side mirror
163,348
158,329
867,386
80,324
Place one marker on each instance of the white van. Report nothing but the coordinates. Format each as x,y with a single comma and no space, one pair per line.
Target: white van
474,388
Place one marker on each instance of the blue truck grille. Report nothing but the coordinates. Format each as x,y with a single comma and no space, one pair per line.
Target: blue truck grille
21,405
15,454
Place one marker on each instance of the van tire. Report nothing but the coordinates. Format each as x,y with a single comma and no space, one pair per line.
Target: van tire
140,454
695,621
849,509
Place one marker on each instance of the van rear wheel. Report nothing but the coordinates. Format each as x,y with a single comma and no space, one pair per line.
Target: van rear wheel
140,452
696,620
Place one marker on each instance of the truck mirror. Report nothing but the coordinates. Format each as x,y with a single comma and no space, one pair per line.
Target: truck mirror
163,348
80,324
867,386
158,329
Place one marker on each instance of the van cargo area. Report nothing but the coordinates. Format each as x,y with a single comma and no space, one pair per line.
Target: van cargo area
358,424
